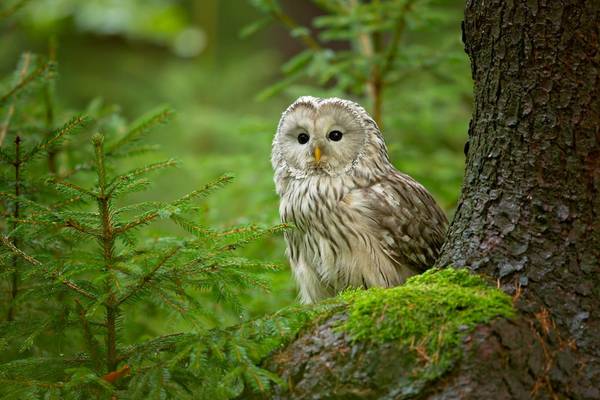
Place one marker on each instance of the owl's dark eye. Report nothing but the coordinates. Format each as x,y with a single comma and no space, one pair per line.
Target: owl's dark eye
303,138
336,136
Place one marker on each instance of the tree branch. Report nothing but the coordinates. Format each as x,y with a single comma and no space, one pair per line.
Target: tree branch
146,278
73,286
305,37
140,221
35,262
25,81
16,214
395,40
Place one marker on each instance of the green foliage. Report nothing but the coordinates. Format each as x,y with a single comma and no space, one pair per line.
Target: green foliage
429,315
128,51
162,22
226,358
361,48
395,57
80,268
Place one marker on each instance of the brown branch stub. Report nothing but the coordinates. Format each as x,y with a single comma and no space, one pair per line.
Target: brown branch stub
113,376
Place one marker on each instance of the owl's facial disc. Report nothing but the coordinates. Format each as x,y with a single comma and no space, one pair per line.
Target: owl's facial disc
321,140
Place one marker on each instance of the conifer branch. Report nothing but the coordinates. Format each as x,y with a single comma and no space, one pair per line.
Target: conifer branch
157,344
128,177
85,166
71,223
107,279
37,73
149,217
74,187
396,37
15,241
181,310
40,222
303,34
25,201
56,136
204,191
76,288
31,383
140,127
50,112
64,203
35,262
87,334
144,280
107,239
197,231
18,252
4,157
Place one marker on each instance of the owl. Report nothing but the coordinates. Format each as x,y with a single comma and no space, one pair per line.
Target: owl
358,222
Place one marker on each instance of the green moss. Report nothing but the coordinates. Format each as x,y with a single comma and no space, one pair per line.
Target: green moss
426,319
430,315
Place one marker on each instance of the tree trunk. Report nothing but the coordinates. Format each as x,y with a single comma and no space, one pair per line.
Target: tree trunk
530,208
529,217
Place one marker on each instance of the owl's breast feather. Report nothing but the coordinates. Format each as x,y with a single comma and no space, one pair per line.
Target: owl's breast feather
313,200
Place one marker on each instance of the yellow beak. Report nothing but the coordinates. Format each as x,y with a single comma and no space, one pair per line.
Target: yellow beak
317,154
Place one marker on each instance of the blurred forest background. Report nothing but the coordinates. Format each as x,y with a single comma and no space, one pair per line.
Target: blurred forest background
228,69
203,58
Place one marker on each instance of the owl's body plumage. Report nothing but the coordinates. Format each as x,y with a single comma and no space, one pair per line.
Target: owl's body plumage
358,221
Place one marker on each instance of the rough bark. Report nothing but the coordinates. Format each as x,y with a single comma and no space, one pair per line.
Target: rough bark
530,208
502,360
529,216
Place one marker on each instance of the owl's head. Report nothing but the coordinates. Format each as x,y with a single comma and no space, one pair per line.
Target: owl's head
326,137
